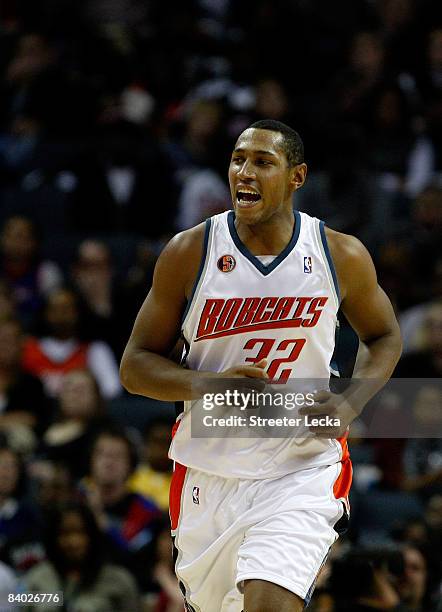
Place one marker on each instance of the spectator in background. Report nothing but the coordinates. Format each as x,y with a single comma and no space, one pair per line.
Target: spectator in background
76,564
33,56
391,136
193,159
194,146
170,598
20,530
203,194
152,477
135,286
412,585
30,278
60,348
364,71
93,275
40,88
51,486
124,185
80,417
24,407
128,519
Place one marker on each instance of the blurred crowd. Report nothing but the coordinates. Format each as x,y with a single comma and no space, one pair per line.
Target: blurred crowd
117,118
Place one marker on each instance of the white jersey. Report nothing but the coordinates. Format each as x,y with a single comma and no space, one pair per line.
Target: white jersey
243,310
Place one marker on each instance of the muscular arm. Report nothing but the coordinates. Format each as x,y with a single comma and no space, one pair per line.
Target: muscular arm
369,312
148,366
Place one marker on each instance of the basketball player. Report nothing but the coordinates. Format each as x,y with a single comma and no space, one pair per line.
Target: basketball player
255,293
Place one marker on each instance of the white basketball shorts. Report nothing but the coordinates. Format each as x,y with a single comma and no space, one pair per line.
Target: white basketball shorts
229,530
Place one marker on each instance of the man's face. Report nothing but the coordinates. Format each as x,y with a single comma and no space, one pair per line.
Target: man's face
157,448
412,585
62,312
110,461
261,181
73,539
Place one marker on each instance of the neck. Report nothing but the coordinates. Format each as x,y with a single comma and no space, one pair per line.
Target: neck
268,237
112,493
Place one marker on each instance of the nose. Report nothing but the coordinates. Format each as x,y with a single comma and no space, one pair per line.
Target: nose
246,170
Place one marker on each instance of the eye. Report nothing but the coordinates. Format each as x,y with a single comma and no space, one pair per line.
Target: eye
237,159
263,162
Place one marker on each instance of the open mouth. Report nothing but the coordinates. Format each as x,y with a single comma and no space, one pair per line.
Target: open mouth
247,198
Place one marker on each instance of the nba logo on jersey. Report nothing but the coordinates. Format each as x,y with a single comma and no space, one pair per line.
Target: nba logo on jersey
196,495
307,265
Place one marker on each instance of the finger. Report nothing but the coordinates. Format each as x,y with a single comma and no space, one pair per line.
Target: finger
253,372
261,364
322,396
318,410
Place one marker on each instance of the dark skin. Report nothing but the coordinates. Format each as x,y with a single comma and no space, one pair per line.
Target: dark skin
259,164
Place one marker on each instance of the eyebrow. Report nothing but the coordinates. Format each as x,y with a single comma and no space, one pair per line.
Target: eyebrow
258,152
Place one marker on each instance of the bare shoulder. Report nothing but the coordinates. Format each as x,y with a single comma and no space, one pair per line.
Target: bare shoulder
181,257
353,263
185,243
345,247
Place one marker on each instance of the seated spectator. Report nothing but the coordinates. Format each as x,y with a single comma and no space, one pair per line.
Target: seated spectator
128,519
23,404
135,286
50,486
152,477
77,566
412,585
203,195
20,531
60,349
170,598
80,417
30,278
93,275
112,187
363,580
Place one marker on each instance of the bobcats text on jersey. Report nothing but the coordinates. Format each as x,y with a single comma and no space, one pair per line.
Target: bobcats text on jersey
226,317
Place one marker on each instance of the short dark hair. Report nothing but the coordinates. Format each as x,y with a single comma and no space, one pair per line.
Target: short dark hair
114,431
293,146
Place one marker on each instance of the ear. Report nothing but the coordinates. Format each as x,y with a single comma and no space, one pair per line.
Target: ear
298,174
